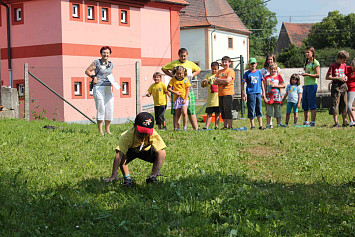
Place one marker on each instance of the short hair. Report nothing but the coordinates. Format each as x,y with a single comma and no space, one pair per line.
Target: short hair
214,64
104,48
295,76
266,65
157,74
343,54
273,65
226,58
352,64
182,50
180,68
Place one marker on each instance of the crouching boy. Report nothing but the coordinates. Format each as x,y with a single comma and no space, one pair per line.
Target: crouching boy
143,142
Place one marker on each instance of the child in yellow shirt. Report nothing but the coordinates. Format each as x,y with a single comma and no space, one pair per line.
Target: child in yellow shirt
159,91
179,86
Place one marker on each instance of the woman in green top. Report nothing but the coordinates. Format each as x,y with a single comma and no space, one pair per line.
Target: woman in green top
312,72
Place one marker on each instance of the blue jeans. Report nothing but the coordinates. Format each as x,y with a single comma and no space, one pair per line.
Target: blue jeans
309,97
254,105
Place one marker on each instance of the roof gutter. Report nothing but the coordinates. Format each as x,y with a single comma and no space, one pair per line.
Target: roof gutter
8,40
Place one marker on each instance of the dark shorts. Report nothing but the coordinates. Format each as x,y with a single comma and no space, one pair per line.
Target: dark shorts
211,110
225,106
339,99
148,156
159,114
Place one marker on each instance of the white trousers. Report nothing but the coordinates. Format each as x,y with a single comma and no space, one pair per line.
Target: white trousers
104,102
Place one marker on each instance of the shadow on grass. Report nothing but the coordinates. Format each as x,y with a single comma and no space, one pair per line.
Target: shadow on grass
196,205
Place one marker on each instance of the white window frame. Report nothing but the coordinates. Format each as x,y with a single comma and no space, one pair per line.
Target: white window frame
124,14
90,12
18,14
125,88
75,11
231,40
91,91
77,88
20,90
104,14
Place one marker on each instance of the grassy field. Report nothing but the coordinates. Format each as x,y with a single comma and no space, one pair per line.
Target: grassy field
277,182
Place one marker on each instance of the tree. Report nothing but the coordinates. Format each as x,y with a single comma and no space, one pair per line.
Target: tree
334,31
262,22
292,56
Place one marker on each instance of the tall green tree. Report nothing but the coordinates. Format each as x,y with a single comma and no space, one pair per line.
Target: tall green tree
261,21
334,31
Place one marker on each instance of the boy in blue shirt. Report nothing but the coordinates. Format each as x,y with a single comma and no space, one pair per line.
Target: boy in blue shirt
253,78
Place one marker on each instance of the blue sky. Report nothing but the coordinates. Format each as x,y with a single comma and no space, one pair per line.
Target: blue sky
307,11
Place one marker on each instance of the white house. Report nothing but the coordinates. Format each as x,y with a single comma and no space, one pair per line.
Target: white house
210,29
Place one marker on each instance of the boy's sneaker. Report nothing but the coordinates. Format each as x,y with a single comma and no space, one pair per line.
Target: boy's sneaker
216,128
164,128
268,126
336,125
305,123
204,128
151,180
261,128
253,127
345,125
294,124
312,124
178,130
128,183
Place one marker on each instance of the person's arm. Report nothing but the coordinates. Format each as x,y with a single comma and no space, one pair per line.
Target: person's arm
172,91
220,81
329,77
299,100
313,75
263,90
195,73
243,91
167,72
285,96
119,159
187,95
265,86
90,72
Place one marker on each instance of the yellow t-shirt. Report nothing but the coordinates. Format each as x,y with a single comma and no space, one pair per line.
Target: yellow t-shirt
159,93
190,66
179,86
212,98
229,88
129,139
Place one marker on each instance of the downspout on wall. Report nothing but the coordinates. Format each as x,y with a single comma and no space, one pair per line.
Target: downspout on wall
8,40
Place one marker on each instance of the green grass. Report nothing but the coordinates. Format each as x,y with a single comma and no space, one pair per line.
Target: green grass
279,182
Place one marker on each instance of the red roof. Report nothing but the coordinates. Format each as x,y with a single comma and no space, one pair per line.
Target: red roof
217,13
179,2
297,32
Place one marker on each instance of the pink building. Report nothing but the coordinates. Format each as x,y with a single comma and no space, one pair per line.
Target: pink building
60,38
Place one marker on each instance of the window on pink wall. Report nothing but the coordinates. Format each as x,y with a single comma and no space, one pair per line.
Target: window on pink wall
105,13
124,16
76,10
91,12
20,86
17,12
78,85
125,87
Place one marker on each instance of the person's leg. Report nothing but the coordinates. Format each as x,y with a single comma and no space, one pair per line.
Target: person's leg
107,126
269,113
228,100
251,102
287,118
313,103
157,119
208,120
277,113
288,112
351,97
99,125
191,110
177,119
334,109
305,107
158,163
217,117
342,106
221,108
184,114
259,110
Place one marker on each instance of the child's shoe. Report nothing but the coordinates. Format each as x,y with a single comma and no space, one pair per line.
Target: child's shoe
164,128
313,124
185,128
178,130
204,128
261,128
151,180
127,183
253,127
216,128
345,125
295,124
268,126
305,123
336,125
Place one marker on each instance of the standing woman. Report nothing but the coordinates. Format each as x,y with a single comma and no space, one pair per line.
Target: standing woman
99,71
312,72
